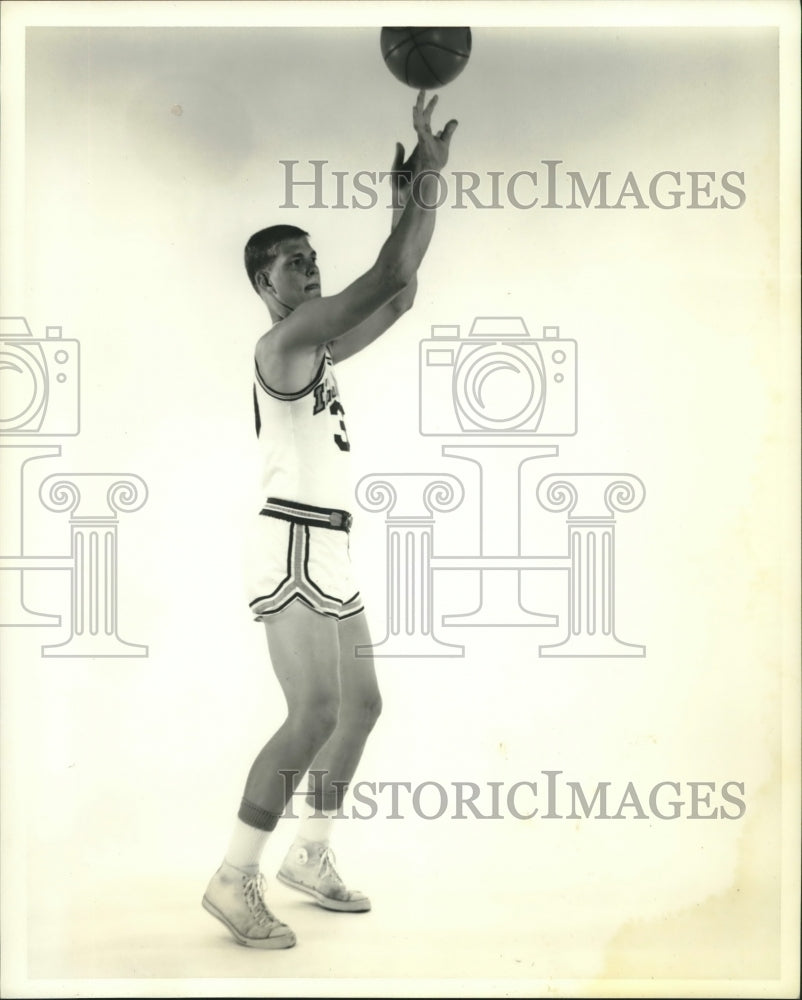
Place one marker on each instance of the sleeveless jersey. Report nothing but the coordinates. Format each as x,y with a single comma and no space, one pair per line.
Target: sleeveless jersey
303,444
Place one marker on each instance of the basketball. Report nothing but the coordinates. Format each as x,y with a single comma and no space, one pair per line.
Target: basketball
426,58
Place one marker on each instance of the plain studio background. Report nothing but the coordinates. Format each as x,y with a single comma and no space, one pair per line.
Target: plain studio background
151,154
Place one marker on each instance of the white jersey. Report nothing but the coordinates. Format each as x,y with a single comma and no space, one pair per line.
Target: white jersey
303,443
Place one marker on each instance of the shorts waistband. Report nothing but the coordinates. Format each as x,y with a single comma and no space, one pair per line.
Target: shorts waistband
302,513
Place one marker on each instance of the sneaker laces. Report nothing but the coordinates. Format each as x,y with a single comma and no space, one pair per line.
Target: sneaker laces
254,888
327,869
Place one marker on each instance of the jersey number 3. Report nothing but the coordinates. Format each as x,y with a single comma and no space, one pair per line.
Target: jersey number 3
341,440
322,396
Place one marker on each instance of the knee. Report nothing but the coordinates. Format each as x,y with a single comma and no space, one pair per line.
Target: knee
316,718
364,714
373,709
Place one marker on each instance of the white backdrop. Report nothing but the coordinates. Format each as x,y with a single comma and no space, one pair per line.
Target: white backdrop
151,152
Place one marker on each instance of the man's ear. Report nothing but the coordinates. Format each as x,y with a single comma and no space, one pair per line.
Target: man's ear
263,281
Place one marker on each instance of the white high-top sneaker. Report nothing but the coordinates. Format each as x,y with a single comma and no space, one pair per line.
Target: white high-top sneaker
237,899
309,867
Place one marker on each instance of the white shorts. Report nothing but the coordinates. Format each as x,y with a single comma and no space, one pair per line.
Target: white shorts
300,553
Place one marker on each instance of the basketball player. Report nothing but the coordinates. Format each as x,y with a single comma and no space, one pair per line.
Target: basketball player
301,581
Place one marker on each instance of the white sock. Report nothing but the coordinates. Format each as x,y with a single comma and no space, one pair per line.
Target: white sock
247,844
316,825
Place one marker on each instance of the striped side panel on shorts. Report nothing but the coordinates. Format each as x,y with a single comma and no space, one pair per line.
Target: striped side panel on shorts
298,586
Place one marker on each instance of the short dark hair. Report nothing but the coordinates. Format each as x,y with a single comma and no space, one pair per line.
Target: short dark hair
262,248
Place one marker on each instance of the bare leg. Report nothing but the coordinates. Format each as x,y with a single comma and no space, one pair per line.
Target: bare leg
360,706
309,865
304,650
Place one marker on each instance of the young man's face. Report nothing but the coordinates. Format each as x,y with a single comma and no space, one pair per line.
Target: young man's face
294,276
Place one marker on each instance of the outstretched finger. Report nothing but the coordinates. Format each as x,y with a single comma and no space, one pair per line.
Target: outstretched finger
427,113
449,129
417,112
430,106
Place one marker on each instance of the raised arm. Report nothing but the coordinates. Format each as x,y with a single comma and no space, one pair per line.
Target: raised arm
364,333
320,320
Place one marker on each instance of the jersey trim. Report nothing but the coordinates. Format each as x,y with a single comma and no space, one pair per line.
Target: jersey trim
289,396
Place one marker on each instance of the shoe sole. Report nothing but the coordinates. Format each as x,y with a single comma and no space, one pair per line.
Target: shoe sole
282,941
340,905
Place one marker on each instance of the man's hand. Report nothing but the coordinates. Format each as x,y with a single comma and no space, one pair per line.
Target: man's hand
432,157
432,148
401,174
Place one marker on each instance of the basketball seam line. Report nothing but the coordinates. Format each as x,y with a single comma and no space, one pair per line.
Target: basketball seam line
443,48
426,64
410,37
